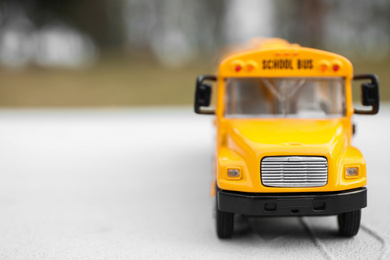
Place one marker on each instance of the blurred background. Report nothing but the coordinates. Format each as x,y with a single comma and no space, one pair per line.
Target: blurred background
107,53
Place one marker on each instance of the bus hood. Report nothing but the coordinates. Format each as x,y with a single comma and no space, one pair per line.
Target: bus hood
266,137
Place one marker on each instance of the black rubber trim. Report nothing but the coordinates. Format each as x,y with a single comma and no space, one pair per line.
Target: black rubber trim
292,204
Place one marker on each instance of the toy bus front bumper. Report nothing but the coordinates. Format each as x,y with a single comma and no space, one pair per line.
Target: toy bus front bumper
291,204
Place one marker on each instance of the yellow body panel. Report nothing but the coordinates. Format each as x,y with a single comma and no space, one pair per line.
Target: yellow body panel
242,143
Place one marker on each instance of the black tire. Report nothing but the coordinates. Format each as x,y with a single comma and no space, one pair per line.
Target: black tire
349,223
224,223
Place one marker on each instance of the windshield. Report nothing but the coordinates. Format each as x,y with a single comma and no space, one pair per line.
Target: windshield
285,97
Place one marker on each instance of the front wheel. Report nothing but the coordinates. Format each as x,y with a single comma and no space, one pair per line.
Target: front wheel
349,223
224,223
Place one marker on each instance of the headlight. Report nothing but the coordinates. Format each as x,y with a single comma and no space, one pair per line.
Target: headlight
233,173
351,171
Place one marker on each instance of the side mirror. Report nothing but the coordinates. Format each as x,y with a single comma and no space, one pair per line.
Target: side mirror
203,94
370,94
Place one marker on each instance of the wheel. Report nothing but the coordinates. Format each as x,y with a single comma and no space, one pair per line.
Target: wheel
349,223
224,223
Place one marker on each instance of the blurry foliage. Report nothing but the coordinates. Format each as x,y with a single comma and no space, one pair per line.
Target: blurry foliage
101,19
113,81
148,52
118,81
357,29
302,21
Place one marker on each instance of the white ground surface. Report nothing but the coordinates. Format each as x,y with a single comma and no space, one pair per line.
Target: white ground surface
134,184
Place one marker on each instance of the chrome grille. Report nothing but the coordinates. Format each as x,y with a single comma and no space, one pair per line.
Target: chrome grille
294,171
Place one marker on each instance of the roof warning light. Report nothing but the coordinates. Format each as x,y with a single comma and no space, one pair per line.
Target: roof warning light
237,65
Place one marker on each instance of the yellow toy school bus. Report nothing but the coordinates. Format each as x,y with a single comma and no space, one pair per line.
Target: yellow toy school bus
284,131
